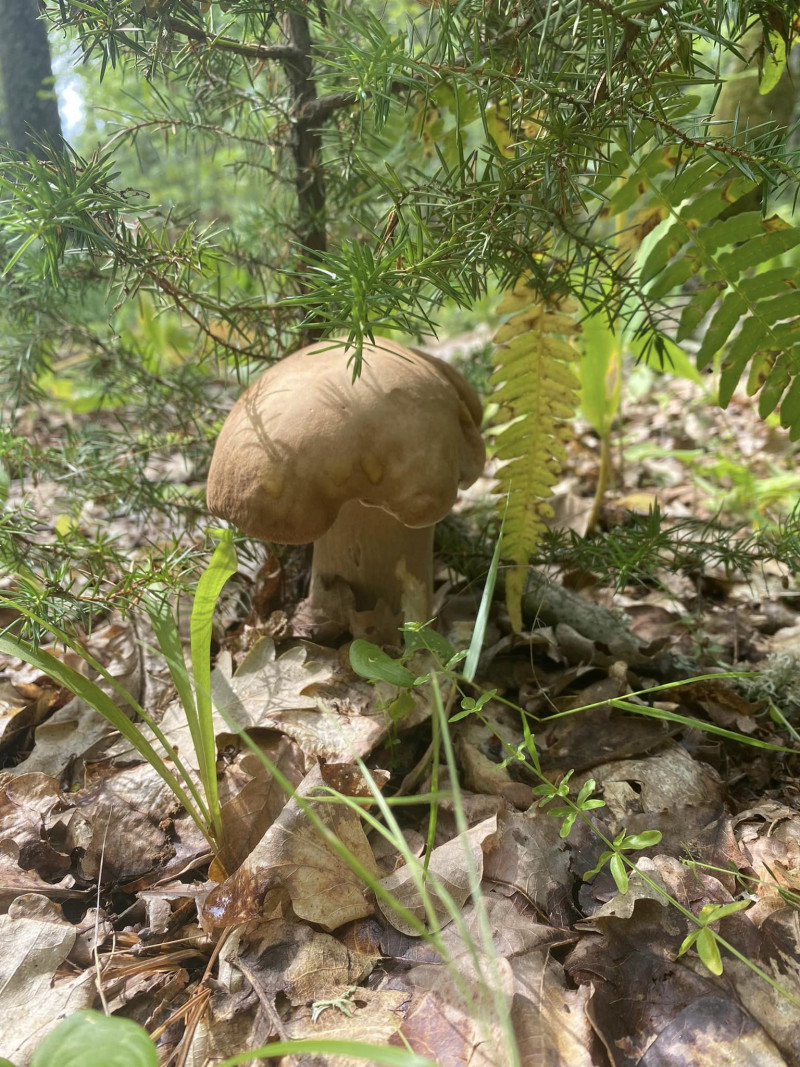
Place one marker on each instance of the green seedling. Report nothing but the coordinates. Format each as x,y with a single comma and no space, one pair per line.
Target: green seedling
623,842
705,939
570,811
193,689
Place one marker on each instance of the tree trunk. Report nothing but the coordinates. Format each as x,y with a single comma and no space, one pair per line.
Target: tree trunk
31,109
306,146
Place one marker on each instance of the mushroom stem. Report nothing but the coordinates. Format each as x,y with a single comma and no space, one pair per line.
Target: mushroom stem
379,558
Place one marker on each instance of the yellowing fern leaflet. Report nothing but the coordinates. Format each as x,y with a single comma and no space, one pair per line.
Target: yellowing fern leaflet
537,393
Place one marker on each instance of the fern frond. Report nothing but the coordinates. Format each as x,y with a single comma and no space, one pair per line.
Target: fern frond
537,393
708,234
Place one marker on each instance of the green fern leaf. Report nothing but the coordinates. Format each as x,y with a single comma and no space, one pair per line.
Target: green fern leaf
733,255
537,393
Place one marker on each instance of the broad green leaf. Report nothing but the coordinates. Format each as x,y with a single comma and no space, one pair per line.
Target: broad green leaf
417,637
371,662
790,409
91,1039
600,372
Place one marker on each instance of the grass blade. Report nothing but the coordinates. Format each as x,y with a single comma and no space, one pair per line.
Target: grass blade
478,634
94,696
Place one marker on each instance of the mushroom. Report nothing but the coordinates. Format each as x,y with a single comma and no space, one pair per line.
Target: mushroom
362,468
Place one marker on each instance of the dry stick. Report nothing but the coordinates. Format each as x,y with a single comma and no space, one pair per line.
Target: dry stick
267,1003
545,602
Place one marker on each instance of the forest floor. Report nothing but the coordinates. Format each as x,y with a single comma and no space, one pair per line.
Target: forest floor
109,897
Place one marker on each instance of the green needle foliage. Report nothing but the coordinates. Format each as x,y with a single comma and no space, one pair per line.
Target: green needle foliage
278,172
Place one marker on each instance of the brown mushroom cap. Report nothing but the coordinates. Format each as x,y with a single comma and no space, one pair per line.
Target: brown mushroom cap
304,438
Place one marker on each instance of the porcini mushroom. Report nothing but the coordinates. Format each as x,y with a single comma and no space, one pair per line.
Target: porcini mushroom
362,468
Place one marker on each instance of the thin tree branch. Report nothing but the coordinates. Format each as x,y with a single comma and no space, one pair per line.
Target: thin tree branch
318,111
282,53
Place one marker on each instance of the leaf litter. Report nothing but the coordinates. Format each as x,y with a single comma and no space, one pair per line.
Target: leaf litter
107,889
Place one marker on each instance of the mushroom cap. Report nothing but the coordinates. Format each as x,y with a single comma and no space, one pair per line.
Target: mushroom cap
304,438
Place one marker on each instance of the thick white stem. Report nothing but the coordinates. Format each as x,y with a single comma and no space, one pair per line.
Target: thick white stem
379,558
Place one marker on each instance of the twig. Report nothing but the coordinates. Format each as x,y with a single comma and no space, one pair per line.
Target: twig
282,53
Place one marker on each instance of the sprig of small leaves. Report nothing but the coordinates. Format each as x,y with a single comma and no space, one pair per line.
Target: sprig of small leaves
705,939
568,812
623,842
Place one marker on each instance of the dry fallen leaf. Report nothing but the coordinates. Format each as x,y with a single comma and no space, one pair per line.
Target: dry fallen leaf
285,956
32,999
449,868
530,856
293,854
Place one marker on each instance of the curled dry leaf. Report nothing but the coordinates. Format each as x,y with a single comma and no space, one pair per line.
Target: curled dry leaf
29,804
530,856
121,822
291,693
449,868
23,706
549,1018
448,1032
68,735
36,943
293,854
250,797
285,956
75,732
668,781
482,774
770,835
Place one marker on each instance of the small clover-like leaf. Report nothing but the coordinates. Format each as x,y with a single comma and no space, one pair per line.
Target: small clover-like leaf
646,839
568,823
586,791
604,858
618,872
688,941
401,707
722,911
708,950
